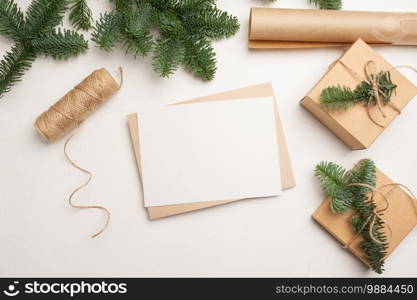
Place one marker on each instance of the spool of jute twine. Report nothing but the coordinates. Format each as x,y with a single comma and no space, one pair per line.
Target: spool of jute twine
70,111
76,105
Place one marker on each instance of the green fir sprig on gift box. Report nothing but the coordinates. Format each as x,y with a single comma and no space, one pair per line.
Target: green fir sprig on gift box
185,32
342,97
34,34
323,4
351,189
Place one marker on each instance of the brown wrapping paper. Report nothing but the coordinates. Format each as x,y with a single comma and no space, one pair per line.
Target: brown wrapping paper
401,217
271,28
353,126
261,90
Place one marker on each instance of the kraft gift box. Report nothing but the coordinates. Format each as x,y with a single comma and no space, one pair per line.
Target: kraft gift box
354,126
401,216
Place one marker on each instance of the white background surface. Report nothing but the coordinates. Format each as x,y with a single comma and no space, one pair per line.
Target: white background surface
42,236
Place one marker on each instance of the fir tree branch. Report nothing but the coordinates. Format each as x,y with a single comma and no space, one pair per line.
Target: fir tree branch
60,44
338,98
81,15
327,4
168,55
186,5
332,176
44,15
13,65
169,23
335,178
137,43
139,17
126,5
107,31
375,252
187,25
365,92
334,181
322,4
11,20
137,38
364,172
341,97
34,34
213,24
200,58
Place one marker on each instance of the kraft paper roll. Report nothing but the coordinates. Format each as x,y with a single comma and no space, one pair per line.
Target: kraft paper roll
308,28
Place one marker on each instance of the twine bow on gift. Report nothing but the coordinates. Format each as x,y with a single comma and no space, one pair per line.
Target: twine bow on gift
377,214
373,79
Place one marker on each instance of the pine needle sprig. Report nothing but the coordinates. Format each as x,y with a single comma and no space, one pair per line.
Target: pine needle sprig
327,4
34,34
364,172
44,15
169,54
136,36
186,5
342,186
334,181
366,94
59,44
200,58
215,24
342,97
107,31
11,20
13,65
375,252
338,98
81,16
322,4
177,33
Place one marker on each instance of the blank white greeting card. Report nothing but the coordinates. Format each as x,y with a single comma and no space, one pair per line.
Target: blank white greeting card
209,151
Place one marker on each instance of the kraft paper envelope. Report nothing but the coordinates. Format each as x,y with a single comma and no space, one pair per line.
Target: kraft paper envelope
257,91
271,28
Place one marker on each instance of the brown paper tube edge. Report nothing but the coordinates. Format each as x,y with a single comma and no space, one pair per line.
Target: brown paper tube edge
250,25
269,44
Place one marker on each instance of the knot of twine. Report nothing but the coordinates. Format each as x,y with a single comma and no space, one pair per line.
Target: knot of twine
372,79
378,212
70,111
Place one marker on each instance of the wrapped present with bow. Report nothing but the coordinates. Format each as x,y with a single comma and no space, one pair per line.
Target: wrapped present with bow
359,96
365,210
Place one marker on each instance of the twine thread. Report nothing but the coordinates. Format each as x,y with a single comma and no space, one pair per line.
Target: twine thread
69,112
377,213
370,76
